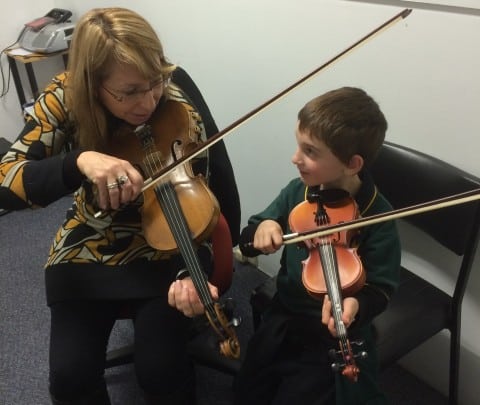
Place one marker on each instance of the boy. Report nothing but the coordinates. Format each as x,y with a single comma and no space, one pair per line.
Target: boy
287,361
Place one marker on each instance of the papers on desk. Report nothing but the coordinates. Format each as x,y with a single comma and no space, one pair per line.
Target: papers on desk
20,52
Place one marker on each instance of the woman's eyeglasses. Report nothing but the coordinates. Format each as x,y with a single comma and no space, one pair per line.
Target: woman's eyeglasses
134,96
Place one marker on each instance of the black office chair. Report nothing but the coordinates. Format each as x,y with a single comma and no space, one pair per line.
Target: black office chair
203,346
419,310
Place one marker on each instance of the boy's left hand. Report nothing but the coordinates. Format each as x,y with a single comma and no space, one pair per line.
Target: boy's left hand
350,309
183,296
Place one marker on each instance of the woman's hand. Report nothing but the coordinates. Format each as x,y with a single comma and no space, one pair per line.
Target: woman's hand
117,181
268,237
350,309
183,296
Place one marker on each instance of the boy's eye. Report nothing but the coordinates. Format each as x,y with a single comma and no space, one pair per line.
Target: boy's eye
309,151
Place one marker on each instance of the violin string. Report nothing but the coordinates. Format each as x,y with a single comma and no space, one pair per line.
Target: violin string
184,241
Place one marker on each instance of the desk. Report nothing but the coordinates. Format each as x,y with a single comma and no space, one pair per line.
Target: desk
27,61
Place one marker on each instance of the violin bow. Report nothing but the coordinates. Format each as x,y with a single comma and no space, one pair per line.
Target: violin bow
227,130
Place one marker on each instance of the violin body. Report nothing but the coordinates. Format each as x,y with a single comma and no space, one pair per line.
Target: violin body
348,263
171,134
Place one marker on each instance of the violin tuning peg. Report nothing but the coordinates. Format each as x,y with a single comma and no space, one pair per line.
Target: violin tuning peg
361,355
332,354
228,307
357,342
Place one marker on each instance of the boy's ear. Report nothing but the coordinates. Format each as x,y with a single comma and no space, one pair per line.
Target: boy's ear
355,164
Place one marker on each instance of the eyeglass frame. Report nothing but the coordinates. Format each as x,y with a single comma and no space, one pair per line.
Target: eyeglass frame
136,95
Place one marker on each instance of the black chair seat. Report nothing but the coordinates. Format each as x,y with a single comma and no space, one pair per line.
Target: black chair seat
416,312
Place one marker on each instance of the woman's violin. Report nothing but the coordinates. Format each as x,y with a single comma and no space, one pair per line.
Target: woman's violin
179,212
333,266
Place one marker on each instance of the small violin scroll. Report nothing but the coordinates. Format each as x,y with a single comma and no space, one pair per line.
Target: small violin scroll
344,359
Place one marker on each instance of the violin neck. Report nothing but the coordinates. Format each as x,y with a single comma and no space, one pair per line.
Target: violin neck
170,205
328,259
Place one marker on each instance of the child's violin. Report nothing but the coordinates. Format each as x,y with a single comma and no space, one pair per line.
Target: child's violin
333,266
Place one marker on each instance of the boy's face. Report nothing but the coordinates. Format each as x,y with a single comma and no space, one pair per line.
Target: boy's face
316,163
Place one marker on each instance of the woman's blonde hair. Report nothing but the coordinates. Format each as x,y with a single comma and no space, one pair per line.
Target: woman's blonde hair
102,37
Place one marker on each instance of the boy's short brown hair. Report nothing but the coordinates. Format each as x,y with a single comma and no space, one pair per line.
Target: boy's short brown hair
348,120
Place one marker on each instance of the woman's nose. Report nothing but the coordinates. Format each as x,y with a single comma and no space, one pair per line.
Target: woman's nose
149,99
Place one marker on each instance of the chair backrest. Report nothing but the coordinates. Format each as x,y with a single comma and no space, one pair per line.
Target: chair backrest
407,177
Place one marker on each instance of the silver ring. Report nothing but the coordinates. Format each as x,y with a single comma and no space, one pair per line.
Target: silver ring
111,186
121,180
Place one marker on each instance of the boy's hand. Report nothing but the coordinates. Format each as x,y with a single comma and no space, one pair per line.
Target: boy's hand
268,237
350,309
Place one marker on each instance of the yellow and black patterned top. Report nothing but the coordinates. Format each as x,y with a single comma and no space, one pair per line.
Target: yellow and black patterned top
105,256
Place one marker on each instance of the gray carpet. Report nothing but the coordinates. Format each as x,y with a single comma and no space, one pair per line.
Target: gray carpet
25,237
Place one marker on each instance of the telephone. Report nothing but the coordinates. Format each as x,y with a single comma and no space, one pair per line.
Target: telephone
49,33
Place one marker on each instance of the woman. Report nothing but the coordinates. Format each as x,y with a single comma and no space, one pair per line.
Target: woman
75,140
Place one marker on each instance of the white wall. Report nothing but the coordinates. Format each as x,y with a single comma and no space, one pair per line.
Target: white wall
423,72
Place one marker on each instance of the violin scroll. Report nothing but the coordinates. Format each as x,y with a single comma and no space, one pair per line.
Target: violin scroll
224,328
344,359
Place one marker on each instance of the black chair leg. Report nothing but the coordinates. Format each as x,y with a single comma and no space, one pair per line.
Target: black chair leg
454,365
